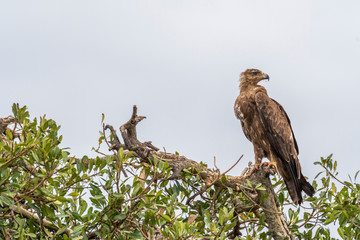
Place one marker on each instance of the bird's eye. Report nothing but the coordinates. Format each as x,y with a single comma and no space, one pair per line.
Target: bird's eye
254,73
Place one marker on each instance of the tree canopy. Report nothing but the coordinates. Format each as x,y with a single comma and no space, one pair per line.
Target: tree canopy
136,191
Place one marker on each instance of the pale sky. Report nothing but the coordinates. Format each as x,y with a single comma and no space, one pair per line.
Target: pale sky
180,61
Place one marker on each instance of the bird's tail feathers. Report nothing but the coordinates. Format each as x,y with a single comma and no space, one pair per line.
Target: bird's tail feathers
306,186
293,184
294,193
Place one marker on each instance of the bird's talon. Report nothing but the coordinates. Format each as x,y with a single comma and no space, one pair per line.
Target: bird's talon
270,166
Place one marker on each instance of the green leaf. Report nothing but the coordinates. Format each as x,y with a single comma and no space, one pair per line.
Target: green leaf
223,179
248,183
121,153
8,134
341,232
121,216
281,198
83,206
229,226
74,194
61,230
6,202
5,174
356,174
135,235
166,217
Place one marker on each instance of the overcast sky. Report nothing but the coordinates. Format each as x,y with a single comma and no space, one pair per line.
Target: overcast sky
180,61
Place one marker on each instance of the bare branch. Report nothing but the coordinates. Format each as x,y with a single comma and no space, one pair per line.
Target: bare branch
4,122
264,199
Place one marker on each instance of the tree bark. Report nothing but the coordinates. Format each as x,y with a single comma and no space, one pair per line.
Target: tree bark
146,152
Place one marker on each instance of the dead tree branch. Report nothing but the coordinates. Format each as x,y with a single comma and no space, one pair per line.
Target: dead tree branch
146,152
4,122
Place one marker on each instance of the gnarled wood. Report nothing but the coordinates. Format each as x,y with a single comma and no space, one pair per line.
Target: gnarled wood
146,153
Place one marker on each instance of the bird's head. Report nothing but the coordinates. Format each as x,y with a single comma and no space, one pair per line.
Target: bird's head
253,76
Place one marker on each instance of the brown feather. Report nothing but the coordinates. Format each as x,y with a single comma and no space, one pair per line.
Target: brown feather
266,124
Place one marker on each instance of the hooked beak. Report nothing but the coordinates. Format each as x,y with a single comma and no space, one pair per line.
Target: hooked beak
265,76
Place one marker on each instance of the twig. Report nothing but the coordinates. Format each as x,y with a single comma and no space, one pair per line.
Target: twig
333,176
49,225
233,165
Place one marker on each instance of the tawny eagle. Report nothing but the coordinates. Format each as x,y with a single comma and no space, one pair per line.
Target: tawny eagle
266,124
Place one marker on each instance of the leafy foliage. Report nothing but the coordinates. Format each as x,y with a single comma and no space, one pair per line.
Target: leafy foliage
336,203
47,194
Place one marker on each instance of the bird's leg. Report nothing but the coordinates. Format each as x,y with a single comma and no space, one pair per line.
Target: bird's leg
257,163
258,158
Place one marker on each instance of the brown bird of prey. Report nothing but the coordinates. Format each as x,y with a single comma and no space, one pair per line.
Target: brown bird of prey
266,124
